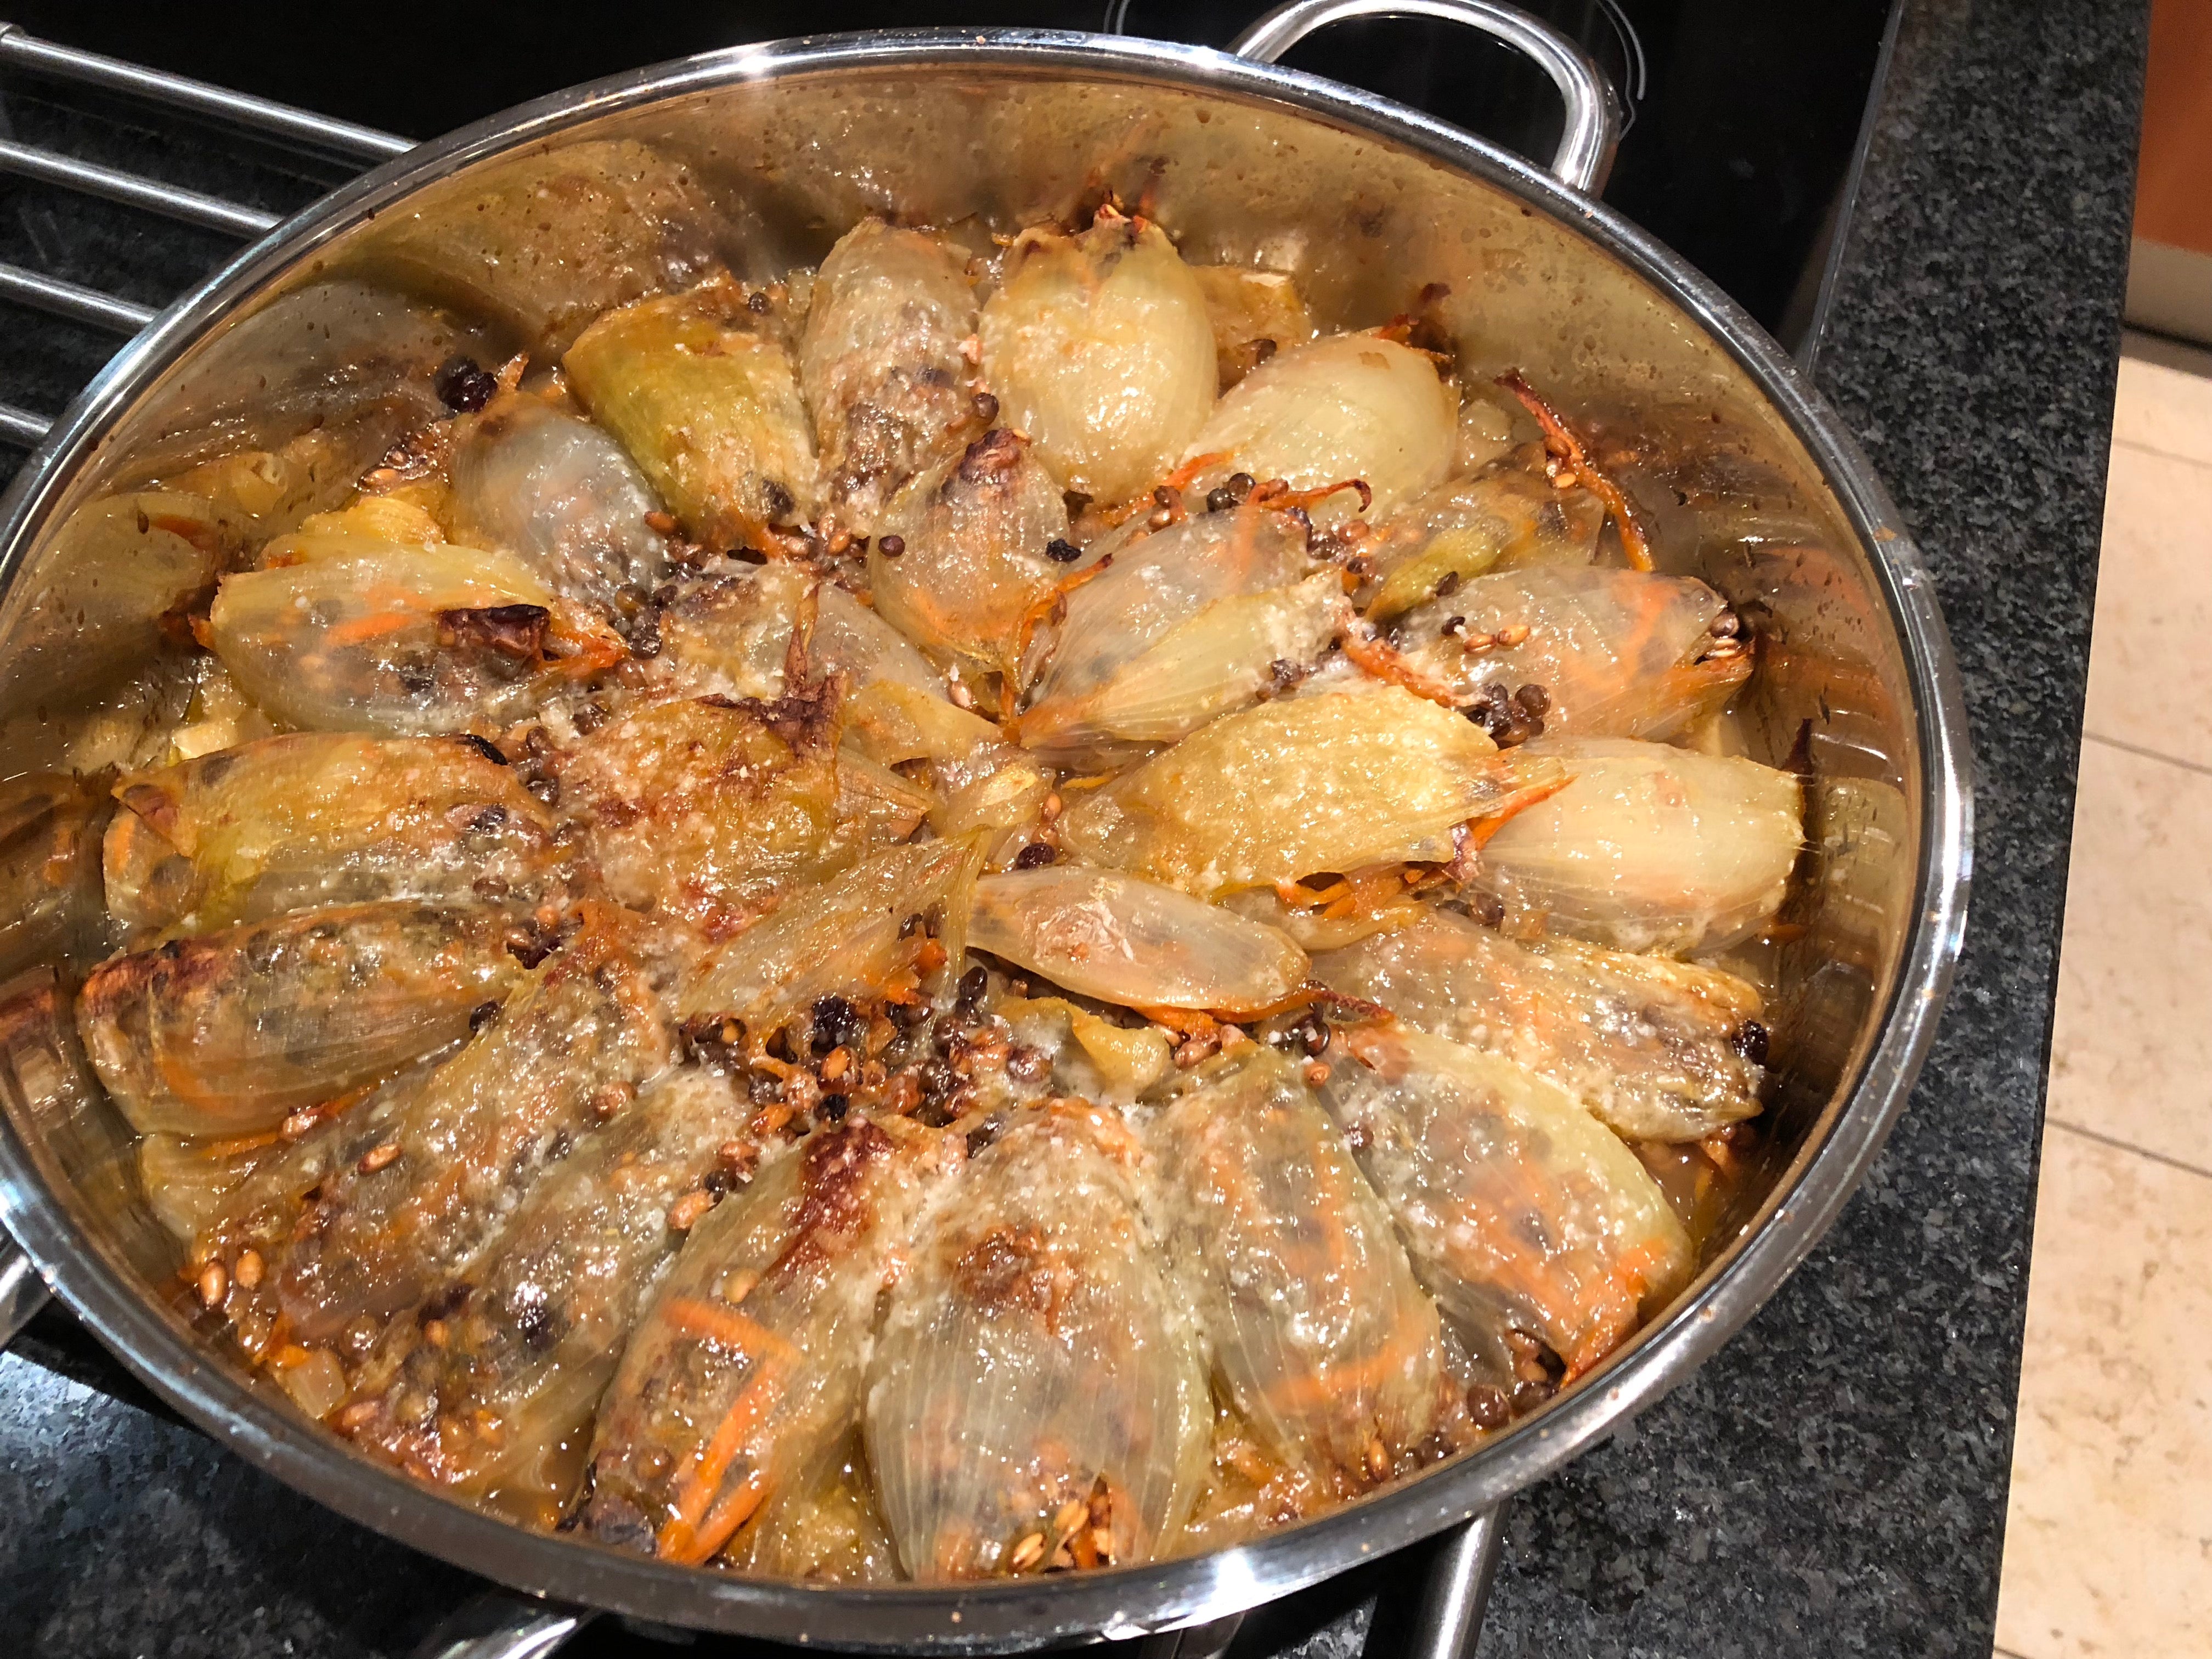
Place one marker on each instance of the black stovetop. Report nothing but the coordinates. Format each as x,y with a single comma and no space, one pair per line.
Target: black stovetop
1834,1481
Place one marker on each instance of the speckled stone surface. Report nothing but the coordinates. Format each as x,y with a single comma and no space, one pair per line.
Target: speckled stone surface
1834,1482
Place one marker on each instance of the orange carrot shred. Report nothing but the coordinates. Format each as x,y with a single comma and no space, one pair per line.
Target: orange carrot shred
726,1518
1374,657
725,1325
1560,440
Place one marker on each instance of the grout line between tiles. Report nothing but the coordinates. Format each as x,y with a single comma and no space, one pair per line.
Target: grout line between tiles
2163,454
2118,1144
2004,1653
2149,754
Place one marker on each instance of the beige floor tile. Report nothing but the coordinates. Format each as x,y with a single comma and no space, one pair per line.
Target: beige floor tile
2150,674
2108,1542
2165,397
2131,1042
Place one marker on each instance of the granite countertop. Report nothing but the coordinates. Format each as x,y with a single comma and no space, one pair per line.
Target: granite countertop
1834,1481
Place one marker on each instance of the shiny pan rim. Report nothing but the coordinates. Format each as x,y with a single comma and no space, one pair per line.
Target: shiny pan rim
1119,1603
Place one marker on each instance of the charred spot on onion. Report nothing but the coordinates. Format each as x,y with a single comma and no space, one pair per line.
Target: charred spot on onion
516,632
463,386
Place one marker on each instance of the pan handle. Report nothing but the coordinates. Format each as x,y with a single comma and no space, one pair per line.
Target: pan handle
22,1292
503,1624
1458,1588
1593,124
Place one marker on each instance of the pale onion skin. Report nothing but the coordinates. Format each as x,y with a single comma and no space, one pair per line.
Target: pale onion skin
1347,406
1193,621
728,633
1319,1336
558,492
329,376
1254,314
186,1178
50,829
229,1033
1002,806
1619,654
1334,782
764,1321
1100,348
708,811
1032,1350
975,529
308,819
501,1404
702,392
843,937
1316,932
881,365
1645,1043
1158,582
1235,652
258,494
824,1528
112,571
472,1137
258,1203
1507,518
1516,1206
544,244
360,637
876,808
1104,934
891,721
1648,847
851,640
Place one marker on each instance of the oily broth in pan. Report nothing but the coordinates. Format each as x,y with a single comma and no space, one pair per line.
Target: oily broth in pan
1051,915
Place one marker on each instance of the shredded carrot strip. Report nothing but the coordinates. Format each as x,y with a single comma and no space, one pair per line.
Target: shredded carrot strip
1479,830
1185,1022
1265,493
1560,440
680,1534
359,630
1182,476
589,652
1305,997
726,1326
1717,1148
724,1518
1376,658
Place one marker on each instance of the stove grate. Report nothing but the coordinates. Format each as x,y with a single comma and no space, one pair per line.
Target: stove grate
93,308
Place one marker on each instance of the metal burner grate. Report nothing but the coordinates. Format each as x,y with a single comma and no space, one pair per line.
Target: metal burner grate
80,246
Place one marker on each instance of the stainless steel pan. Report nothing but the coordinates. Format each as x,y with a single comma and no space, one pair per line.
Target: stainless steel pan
1754,484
